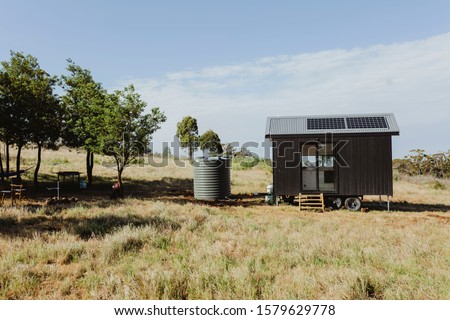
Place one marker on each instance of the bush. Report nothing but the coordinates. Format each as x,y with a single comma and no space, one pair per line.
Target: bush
437,185
420,163
244,163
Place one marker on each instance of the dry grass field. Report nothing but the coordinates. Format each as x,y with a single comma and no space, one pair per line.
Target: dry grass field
158,243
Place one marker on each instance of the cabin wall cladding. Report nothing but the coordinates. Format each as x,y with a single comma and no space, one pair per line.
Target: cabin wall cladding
286,166
354,159
369,170
369,161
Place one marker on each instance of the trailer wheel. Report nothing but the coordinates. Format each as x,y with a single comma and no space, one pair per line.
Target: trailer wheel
353,203
288,199
337,203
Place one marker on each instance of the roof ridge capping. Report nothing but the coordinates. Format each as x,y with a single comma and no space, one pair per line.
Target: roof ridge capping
377,123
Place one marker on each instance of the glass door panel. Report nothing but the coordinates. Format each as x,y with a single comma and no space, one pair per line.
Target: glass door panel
327,177
309,167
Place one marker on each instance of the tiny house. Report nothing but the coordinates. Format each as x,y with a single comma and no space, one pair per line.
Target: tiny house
343,157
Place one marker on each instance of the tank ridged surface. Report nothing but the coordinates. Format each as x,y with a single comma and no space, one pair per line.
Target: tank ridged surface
212,179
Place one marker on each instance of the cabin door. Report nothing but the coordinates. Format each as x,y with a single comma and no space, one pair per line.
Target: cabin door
309,167
318,168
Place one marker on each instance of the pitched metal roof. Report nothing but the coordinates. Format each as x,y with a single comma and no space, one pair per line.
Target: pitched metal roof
338,123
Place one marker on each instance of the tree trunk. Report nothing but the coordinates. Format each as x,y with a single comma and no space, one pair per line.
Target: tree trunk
19,152
89,166
92,166
119,176
7,158
38,165
2,172
191,152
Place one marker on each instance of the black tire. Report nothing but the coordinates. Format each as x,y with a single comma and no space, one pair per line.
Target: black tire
353,203
338,202
334,203
288,199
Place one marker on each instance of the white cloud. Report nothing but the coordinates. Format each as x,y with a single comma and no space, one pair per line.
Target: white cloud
411,79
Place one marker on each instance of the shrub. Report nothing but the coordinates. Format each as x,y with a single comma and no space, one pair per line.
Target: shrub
420,163
245,162
437,185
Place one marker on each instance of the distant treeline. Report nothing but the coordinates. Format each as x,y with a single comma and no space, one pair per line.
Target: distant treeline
420,163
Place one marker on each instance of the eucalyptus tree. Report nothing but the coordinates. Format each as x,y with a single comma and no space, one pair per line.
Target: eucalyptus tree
16,77
3,117
28,106
187,132
85,105
128,130
210,142
45,127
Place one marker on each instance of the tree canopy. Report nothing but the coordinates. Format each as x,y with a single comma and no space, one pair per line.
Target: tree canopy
210,141
127,130
30,110
187,132
85,106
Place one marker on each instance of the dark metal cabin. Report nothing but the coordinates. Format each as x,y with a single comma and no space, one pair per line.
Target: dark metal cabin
337,155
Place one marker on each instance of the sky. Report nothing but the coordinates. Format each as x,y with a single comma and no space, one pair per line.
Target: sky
230,64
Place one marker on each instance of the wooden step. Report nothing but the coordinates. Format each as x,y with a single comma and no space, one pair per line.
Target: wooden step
311,202
310,196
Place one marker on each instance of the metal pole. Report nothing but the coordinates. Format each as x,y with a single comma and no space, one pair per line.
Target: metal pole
57,188
388,204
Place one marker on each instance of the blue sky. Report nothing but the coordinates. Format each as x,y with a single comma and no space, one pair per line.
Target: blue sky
233,63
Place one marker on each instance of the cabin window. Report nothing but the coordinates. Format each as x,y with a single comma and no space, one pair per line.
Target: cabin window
326,161
309,156
327,177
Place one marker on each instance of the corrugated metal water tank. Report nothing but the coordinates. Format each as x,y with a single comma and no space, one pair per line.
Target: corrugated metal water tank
212,178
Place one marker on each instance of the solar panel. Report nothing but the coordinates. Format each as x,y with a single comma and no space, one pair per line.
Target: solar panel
325,123
367,123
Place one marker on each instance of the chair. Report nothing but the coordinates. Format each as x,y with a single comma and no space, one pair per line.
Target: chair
16,192
4,193
2,199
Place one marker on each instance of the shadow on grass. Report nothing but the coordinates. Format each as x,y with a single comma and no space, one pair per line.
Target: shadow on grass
85,228
166,187
401,206
175,190
102,188
408,206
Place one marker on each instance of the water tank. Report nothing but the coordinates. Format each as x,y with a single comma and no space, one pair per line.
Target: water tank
212,178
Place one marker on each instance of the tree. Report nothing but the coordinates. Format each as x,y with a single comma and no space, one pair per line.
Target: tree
4,113
166,153
210,142
45,127
128,130
84,105
229,149
187,132
28,106
16,79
